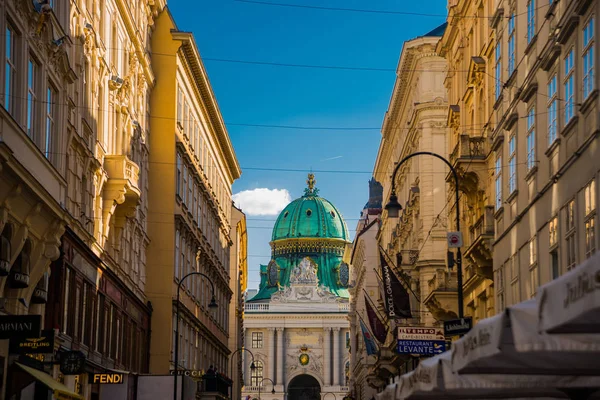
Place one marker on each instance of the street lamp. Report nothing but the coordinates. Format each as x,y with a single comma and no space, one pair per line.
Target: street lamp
393,209
252,365
213,304
260,385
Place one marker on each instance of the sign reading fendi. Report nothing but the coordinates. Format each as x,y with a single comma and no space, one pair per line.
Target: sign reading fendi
17,326
108,378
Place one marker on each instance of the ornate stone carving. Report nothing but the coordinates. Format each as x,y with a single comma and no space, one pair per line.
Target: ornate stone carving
305,272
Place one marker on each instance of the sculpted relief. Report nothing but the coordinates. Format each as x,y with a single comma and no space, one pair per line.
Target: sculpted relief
305,272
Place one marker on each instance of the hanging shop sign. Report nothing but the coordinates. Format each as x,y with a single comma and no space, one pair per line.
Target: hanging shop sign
72,362
16,326
44,344
421,341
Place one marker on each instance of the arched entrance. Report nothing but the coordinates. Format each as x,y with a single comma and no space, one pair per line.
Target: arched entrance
304,387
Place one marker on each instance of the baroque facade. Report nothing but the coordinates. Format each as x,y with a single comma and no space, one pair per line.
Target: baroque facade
238,271
296,326
192,168
74,140
468,47
416,121
364,379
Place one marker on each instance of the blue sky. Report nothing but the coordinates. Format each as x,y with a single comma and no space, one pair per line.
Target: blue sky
277,95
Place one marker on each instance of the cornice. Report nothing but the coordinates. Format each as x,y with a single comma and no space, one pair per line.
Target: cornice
190,54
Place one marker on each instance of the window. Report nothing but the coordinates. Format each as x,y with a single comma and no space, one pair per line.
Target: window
553,232
32,73
552,110
512,164
511,44
66,300
531,139
534,280
10,71
533,251
515,289
177,244
569,83
588,58
590,215
498,60
570,234
179,175
179,107
514,267
499,283
257,374
530,20
257,340
498,182
554,264
185,183
50,122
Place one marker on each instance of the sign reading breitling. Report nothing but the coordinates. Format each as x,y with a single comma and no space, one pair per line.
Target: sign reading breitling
33,345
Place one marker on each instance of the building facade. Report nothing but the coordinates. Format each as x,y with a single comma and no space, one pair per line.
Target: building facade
238,271
296,326
363,260
415,243
468,47
192,168
77,81
544,144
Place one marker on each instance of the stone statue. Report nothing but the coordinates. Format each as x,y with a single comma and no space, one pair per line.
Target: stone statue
304,272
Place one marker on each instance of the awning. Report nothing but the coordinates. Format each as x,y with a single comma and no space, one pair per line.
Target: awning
60,391
509,343
571,303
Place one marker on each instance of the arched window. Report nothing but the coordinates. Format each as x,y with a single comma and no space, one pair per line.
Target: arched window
257,374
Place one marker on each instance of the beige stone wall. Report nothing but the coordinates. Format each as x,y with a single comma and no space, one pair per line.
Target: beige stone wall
546,223
415,121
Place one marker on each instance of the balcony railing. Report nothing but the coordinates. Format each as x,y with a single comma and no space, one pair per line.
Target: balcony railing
469,148
121,167
484,226
443,281
256,307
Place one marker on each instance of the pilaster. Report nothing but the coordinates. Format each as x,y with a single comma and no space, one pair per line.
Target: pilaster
327,356
280,361
336,356
271,353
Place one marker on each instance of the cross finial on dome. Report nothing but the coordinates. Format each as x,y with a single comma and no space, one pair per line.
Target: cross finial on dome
311,190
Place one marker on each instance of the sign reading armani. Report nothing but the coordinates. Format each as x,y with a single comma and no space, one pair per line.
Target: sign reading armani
33,345
17,326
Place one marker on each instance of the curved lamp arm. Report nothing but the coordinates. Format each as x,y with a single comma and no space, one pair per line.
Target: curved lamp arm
272,383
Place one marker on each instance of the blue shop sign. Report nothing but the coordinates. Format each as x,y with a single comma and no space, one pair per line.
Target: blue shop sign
421,347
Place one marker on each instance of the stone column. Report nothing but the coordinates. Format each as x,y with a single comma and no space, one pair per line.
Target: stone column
280,352
336,356
271,353
326,356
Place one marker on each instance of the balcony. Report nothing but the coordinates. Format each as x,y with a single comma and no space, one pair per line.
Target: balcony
481,234
469,149
120,168
442,298
120,193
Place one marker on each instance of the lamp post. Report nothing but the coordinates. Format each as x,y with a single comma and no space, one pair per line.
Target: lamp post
260,385
212,304
393,208
252,366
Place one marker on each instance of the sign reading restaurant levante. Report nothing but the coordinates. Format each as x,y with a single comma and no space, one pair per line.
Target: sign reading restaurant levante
16,326
423,341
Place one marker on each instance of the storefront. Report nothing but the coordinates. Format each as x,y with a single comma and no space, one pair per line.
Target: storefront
95,313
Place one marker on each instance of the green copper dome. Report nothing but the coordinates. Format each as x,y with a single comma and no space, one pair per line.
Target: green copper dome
309,235
310,216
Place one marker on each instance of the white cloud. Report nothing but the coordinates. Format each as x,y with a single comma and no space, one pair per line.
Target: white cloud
262,201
